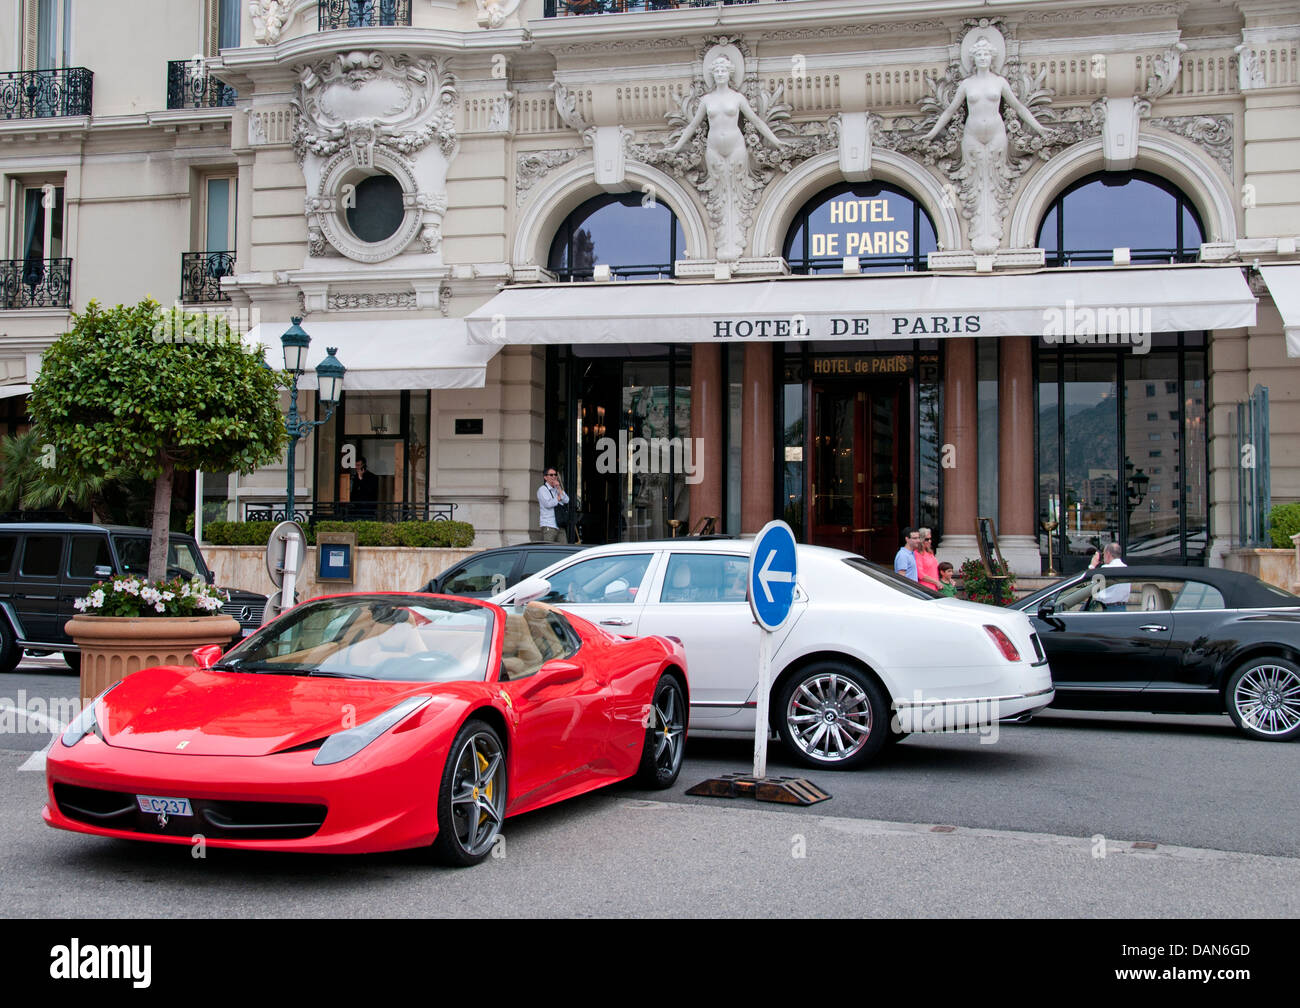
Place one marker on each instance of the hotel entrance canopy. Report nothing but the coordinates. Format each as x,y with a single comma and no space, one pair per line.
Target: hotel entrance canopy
1077,302
382,356
1284,285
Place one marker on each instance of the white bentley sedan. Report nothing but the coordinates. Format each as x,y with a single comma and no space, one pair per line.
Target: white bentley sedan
865,658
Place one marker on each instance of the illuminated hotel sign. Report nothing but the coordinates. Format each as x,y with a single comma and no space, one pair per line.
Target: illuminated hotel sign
860,227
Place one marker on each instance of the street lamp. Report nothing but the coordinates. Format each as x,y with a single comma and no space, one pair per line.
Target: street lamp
329,383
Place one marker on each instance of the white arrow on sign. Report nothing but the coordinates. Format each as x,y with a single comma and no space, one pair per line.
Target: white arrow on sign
766,575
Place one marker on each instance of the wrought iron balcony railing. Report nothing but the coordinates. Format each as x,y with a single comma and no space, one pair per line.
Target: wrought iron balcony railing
35,283
190,87
570,8
333,14
308,513
201,274
44,94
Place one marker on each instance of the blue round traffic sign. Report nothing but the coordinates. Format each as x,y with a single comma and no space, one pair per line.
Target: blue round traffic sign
772,569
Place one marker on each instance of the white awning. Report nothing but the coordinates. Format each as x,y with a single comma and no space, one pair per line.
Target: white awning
1080,303
415,354
9,391
1284,285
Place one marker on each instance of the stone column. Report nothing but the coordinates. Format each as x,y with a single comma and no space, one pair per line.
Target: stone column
707,394
756,442
1017,491
959,455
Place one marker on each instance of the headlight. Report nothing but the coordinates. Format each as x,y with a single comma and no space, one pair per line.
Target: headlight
85,723
345,744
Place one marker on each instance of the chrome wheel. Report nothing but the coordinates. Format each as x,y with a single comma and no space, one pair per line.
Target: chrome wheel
833,715
665,741
1264,699
478,793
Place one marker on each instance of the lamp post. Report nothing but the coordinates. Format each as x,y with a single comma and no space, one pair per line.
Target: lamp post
329,379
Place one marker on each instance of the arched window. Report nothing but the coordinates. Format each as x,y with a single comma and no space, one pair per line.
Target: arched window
1109,210
878,224
634,236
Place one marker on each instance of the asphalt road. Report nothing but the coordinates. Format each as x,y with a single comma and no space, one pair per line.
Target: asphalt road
1044,823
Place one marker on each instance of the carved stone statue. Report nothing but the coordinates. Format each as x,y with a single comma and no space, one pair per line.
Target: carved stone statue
493,13
984,166
729,187
268,20
1250,74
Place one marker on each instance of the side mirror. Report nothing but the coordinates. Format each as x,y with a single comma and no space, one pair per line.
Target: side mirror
1046,611
207,655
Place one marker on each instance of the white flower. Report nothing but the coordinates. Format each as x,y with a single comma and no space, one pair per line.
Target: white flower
160,607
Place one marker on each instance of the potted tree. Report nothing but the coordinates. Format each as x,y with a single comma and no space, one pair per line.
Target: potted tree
153,393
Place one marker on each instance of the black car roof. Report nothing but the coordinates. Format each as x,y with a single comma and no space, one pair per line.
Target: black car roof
1239,590
83,527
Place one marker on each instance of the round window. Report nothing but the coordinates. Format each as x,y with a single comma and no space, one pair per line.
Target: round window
378,211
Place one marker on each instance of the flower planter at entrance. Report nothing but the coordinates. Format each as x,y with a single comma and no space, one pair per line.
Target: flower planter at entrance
112,647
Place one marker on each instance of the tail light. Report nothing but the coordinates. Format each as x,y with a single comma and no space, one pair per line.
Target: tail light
1003,642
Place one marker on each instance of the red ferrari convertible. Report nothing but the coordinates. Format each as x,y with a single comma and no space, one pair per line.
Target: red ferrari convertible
370,723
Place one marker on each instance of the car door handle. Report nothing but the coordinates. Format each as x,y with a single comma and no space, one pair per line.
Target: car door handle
616,622
1154,628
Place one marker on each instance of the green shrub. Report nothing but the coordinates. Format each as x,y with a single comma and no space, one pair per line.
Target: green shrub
251,533
1284,522
979,587
436,534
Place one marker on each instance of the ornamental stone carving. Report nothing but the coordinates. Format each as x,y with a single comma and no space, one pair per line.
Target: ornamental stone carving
1212,133
987,121
366,114
268,18
749,138
493,13
532,166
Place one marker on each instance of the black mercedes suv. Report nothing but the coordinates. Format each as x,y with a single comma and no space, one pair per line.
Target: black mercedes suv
45,568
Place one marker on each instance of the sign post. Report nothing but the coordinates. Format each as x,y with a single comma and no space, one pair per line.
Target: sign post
284,555
773,567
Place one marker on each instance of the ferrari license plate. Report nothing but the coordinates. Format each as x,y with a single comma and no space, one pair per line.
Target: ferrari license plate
169,806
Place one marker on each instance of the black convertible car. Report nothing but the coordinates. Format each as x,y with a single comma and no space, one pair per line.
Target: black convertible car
1187,640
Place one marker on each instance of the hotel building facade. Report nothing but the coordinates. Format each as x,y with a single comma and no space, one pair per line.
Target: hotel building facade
857,265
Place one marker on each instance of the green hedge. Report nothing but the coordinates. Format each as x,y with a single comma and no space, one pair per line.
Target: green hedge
369,533
1284,522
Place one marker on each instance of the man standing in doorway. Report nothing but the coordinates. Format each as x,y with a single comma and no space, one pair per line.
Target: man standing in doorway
550,495
905,561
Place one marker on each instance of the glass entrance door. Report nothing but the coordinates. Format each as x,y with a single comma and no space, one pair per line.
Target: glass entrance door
860,486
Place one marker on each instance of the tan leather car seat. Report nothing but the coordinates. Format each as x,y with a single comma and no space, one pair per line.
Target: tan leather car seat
519,654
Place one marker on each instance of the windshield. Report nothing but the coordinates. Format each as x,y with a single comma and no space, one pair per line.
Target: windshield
183,558
889,578
405,638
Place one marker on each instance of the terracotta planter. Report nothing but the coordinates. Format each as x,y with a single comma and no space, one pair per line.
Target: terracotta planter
112,647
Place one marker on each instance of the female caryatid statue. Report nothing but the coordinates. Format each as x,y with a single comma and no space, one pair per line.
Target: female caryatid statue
984,169
729,189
